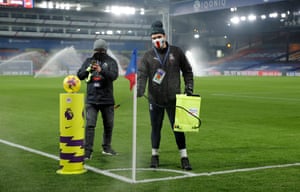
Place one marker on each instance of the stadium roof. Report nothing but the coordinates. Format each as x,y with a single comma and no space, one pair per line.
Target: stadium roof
207,18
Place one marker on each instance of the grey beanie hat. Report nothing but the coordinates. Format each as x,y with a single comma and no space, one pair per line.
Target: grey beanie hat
157,28
100,44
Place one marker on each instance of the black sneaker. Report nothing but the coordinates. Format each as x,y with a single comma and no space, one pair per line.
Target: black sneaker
109,152
154,161
185,164
87,156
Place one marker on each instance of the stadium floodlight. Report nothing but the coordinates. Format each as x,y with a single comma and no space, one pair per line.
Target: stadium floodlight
233,9
142,11
119,10
62,6
78,7
251,17
107,9
129,10
43,5
243,18
109,32
273,15
67,6
263,17
116,10
50,5
235,20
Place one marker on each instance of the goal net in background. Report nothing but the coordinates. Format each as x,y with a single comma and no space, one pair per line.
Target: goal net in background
16,67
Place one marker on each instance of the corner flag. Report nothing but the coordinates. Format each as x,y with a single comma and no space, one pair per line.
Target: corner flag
131,76
131,69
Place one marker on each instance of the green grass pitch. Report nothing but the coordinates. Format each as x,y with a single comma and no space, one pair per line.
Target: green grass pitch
247,122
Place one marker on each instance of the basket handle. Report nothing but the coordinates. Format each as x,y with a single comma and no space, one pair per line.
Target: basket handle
199,120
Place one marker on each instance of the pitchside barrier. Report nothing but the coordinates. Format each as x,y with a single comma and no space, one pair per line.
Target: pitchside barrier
187,114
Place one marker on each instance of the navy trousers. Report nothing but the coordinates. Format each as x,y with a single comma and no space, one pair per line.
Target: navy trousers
107,112
156,116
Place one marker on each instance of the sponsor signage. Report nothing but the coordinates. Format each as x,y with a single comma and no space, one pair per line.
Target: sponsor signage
16,3
196,6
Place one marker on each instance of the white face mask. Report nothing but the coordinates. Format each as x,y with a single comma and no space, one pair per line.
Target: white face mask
158,43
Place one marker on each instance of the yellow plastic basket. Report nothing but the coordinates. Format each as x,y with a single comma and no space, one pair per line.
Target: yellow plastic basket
187,114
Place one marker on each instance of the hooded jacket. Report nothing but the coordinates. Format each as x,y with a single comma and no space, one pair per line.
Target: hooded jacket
99,85
176,63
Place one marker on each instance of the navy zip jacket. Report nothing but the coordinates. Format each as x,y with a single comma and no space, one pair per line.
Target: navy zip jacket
176,63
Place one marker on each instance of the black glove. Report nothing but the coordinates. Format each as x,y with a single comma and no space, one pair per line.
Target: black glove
90,67
140,94
188,91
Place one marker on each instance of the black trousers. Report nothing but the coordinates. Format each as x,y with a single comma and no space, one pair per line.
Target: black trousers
157,113
107,112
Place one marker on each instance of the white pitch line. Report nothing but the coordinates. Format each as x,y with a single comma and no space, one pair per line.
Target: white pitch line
107,173
94,169
248,169
256,97
127,180
154,169
29,149
189,174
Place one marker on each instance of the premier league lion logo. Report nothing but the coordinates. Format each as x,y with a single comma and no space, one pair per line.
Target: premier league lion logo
69,114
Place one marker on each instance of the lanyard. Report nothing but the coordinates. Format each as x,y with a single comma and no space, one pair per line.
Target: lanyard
165,58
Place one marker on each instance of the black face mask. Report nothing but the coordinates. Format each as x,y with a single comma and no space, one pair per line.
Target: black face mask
99,56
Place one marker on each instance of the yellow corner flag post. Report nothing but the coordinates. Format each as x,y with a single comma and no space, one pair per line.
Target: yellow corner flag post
71,118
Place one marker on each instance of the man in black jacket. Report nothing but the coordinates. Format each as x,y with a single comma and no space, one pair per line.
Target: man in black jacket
161,66
99,71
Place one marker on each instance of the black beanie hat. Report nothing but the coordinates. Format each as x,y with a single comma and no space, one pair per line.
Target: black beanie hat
157,28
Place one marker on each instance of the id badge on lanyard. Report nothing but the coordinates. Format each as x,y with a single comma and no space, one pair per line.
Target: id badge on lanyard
159,76
160,73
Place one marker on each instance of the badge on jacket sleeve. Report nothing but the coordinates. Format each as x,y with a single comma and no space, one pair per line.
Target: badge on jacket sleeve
159,76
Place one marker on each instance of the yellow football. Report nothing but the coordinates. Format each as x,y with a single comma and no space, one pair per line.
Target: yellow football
72,84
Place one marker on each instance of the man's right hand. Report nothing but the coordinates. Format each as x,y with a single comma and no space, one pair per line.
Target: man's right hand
140,94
